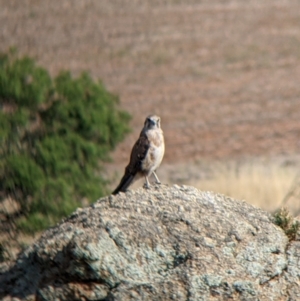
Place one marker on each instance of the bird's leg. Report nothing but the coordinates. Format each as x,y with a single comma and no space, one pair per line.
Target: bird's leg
156,178
147,184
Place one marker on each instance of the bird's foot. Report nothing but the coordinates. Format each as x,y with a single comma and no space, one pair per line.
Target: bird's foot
146,186
157,181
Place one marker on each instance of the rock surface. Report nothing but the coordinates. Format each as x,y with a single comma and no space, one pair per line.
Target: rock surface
166,243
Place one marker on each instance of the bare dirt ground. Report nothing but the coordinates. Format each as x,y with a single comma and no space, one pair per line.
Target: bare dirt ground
223,75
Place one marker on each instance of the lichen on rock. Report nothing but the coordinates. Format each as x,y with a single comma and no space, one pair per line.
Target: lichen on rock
163,243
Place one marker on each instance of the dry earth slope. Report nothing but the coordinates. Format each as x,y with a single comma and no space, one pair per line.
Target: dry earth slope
166,243
223,75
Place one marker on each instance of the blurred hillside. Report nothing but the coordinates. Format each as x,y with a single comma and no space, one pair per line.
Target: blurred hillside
223,75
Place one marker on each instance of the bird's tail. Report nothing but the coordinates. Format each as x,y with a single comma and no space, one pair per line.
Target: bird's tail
124,184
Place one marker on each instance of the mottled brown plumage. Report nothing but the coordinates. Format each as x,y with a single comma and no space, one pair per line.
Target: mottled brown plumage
146,154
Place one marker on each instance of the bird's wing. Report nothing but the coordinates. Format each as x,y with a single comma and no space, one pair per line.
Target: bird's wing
138,154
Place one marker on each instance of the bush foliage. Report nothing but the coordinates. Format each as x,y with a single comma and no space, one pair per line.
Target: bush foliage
284,220
54,135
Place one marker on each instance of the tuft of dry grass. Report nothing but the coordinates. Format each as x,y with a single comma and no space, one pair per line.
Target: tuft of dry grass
260,182
284,220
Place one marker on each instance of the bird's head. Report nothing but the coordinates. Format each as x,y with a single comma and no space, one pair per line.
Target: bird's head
152,122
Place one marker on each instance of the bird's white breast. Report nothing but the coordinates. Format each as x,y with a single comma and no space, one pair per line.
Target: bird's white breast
156,150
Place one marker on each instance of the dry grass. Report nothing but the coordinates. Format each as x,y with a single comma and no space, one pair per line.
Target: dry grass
289,225
261,182
223,75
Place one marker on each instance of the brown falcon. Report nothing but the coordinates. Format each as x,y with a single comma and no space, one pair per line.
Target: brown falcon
146,155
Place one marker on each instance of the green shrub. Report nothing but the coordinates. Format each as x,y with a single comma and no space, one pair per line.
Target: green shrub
54,136
284,220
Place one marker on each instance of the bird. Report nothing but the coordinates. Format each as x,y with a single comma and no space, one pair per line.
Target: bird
146,155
